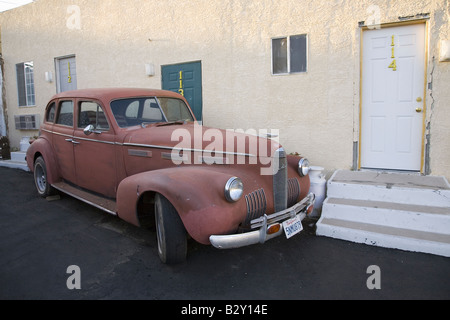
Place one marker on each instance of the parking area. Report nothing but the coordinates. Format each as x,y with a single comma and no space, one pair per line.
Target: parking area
40,240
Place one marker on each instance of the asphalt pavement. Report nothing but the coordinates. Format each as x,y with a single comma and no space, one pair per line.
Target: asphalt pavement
65,249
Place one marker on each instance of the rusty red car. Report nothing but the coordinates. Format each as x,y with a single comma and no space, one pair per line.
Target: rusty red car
141,155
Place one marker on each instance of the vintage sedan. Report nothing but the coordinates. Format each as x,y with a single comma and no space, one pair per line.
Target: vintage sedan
140,154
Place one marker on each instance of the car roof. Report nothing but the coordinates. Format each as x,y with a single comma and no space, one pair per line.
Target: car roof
110,94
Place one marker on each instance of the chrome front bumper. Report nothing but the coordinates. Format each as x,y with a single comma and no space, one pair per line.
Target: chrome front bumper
263,224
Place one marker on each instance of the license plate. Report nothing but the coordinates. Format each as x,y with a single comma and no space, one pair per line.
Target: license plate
292,226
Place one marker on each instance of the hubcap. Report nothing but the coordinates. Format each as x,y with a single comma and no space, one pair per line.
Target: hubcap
41,181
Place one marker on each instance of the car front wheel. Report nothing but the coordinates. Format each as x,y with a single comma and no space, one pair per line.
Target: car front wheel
170,231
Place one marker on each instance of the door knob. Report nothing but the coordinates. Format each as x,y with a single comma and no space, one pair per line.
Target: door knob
419,99
418,110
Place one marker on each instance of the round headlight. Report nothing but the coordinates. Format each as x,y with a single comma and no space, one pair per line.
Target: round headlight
303,167
234,188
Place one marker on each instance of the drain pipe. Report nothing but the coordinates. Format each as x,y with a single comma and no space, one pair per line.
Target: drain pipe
3,128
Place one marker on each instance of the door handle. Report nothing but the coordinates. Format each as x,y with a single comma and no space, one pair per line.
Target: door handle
73,141
418,110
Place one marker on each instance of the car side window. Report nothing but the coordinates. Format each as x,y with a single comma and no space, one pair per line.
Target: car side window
65,116
92,113
51,111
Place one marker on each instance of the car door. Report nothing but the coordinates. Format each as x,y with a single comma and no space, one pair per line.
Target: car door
63,140
95,153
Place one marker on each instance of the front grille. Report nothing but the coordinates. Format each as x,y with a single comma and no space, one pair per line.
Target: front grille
293,191
280,189
256,205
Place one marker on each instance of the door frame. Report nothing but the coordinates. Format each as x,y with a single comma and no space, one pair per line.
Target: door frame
425,22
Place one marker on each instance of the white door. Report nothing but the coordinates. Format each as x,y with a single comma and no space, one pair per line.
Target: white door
66,69
393,86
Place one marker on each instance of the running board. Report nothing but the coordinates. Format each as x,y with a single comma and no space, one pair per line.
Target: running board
99,202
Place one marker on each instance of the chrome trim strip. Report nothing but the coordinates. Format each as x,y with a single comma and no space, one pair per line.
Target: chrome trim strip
139,153
175,157
128,144
94,140
59,134
79,138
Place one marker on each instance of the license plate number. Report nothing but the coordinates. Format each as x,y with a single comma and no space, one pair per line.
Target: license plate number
292,226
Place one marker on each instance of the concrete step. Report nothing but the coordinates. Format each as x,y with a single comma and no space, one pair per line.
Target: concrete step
383,236
395,210
17,161
18,156
390,187
14,164
397,215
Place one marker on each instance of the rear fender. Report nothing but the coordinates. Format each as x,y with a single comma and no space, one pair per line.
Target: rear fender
42,147
196,193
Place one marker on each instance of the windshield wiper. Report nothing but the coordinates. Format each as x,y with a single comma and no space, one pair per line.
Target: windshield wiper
163,124
144,124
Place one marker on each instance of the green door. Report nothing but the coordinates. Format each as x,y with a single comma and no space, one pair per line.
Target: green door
186,79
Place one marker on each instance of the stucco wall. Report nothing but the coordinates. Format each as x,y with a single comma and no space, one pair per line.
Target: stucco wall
317,112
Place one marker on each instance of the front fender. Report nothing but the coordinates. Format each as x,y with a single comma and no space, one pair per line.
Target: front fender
197,194
43,147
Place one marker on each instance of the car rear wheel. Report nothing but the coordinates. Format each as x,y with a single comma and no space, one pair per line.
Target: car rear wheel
170,231
40,178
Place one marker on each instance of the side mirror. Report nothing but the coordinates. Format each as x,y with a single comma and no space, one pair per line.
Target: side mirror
90,129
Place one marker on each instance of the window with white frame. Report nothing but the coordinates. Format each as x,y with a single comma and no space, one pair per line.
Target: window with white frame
289,54
25,84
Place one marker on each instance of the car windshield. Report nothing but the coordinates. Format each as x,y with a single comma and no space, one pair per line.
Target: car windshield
144,110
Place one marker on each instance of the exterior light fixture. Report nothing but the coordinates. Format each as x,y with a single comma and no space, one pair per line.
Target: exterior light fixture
49,77
149,69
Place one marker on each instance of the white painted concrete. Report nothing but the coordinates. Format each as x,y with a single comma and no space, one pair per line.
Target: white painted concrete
17,161
403,211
